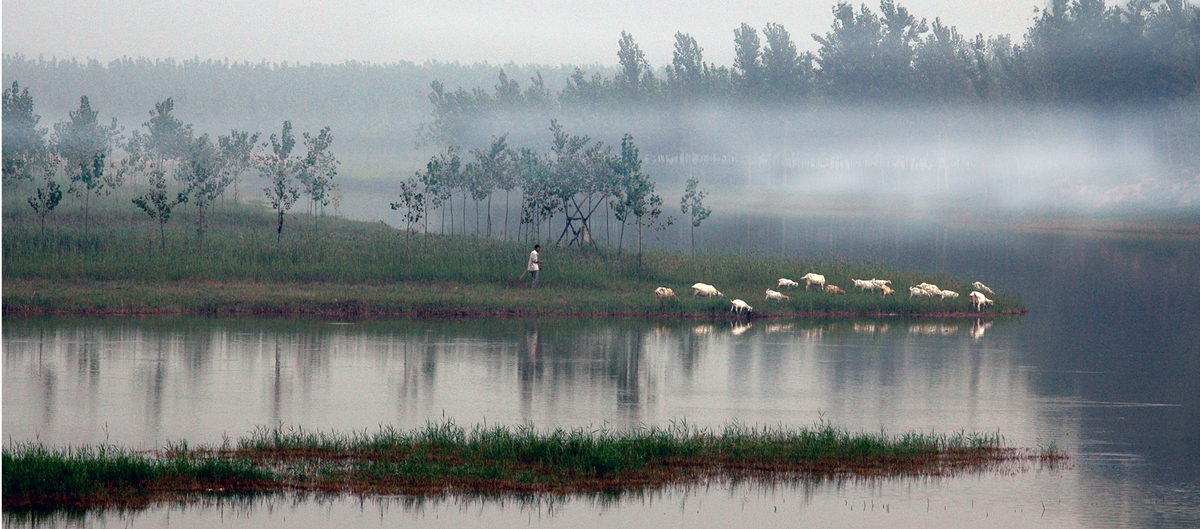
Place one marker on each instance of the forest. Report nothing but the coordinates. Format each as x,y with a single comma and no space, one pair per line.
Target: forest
886,75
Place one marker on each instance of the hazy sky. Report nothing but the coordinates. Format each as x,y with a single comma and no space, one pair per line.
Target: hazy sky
524,31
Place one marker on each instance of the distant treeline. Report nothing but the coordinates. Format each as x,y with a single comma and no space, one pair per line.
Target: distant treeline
1078,54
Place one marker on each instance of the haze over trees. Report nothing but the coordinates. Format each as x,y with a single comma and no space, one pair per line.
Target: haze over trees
1131,71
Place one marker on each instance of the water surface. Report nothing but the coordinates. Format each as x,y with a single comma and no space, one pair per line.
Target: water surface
1106,366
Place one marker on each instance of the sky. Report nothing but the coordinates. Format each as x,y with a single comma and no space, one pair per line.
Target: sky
550,32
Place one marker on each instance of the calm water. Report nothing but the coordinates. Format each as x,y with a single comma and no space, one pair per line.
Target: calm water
1106,366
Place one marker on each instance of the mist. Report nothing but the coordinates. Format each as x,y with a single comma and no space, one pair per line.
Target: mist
924,122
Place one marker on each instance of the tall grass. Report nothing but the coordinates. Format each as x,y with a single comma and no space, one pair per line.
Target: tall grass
444,457
240,246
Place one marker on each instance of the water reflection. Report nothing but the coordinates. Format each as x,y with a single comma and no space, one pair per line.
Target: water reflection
147,381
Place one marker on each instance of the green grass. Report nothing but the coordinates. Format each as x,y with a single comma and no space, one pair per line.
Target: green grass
447,458
349,267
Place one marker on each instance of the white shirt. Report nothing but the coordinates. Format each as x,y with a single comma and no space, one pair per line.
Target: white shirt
533,262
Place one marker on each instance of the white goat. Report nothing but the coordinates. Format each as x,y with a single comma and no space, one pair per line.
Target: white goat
785,282
663,293
917,292
740,307
887,291
930,289
983,287
705,290
978,301
880,282
949,294
813,279
864,284
777,296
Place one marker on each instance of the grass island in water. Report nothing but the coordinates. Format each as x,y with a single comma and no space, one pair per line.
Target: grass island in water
446,458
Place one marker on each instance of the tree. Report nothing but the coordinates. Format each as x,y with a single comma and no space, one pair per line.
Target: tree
207,173
412,202
318,169
167,138
491,169
47,197
85,145
785,72
24,142
747,63
238,150
692,204
158,204
582,177
633,64
279,167
648,211
440,174
687,72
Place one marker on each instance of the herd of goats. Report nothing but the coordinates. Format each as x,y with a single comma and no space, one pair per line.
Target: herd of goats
923,290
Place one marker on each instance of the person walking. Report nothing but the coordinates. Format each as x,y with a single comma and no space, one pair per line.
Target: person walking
534,265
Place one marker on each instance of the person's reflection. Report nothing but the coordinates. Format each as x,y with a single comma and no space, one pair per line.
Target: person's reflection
276,393
528,368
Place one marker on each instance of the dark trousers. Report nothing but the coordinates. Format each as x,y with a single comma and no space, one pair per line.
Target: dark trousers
534,273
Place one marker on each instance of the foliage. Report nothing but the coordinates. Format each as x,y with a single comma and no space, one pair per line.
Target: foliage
46,197
412,202
692,204
318,169
206,173
85,145
158,205
24,142
279,167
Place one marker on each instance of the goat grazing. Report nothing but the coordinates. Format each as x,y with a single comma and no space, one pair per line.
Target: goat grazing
740,307
777,296
813,279
705,290
978,301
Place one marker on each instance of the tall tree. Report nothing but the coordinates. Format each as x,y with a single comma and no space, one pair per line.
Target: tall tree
238,149
85,146
747,62
687,75
692,204
46,197
412,203
158,204
633,66
317,170
493,166
206,173
24,142
785,71
279,167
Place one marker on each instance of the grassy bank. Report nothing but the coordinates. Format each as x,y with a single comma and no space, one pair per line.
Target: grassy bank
446,458
334,266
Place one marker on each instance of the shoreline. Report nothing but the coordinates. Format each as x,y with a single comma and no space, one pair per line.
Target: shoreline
37,297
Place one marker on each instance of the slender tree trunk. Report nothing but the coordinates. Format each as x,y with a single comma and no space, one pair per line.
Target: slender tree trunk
693,239
506,193
489,217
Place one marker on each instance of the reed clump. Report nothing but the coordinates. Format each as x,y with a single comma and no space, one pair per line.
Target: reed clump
447,458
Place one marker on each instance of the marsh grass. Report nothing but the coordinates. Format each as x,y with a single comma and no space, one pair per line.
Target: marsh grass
350,267
447,458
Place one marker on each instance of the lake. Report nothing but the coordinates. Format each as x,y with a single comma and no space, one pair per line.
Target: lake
1106,366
